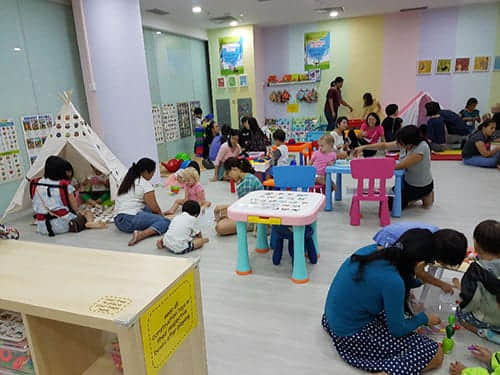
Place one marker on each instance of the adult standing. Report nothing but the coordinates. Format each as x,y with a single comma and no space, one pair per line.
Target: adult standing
476,153
333,102
136,208
415,159
366,304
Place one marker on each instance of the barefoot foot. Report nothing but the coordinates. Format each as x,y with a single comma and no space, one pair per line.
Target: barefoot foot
159,244
135,238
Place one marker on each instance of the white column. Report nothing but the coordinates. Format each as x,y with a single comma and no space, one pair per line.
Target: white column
113,60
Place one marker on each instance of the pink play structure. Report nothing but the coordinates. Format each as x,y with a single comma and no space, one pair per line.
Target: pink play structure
371,169
414,112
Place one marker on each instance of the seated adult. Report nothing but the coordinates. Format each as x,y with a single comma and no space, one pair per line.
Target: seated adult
55,203
229,148
435,128
212,131
136,208
366,305
455,126
476,153
258,140
415,159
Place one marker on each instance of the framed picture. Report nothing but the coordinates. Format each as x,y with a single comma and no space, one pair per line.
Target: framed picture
243,80
424,67
482,63
443,66
462,65
496,65
232,82
221,82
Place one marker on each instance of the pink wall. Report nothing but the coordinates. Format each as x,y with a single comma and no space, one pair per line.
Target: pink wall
401,41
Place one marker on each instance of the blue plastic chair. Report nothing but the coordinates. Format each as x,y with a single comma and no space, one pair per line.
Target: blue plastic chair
288,177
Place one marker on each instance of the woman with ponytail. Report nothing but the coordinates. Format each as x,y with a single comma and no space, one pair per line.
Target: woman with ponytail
242,173
136,208
366,305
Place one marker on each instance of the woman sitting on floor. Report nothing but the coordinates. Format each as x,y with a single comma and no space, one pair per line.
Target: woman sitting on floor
136,208
476,153
415,159
366,305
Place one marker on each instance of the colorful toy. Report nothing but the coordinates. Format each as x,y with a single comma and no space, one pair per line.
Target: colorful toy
172,165
183,156
174,190
448,343
185,164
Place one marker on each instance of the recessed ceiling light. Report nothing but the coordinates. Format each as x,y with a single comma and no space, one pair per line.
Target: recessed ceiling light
158,33
334,13
241,15
17,49
196,9
233,23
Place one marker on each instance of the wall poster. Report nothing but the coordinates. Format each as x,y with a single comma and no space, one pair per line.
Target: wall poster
317,50
231,55
11,167
36,129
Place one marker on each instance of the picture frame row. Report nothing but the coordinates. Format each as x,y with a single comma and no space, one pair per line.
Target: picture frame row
232,82
458,65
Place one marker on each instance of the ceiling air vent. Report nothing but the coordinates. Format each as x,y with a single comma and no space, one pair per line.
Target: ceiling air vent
223,19
158,12
263,1
329,10
412,9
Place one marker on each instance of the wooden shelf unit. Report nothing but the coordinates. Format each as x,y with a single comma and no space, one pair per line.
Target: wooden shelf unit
54,287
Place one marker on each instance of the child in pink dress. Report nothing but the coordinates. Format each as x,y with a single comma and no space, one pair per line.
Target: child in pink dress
190,179
324,157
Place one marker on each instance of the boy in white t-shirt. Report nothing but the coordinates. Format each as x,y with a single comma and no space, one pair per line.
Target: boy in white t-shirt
280,155
184,234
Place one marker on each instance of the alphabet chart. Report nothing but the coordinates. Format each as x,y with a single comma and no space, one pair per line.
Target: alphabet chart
11,167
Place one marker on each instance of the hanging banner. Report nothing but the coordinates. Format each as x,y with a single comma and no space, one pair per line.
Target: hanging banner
317,50
231,55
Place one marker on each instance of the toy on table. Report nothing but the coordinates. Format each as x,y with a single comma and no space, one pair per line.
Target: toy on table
174,190
185,164
448,342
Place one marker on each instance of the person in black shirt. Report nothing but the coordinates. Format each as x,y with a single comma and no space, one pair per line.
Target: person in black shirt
475,152
244,135
392,123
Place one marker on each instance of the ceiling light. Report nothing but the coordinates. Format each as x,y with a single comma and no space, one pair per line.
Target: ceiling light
17,49
241,15
334,13
233,23
196,9
158,33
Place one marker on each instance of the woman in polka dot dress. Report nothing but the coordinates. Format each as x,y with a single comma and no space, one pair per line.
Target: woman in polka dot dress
366,305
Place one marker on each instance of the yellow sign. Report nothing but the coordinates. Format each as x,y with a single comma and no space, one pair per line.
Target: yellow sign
168,322
292,108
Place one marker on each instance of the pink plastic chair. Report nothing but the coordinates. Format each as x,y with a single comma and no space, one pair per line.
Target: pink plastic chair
371,169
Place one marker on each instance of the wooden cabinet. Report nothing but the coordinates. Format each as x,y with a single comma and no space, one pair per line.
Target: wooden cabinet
73,300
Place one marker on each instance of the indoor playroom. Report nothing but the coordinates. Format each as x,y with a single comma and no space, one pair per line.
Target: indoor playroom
211,187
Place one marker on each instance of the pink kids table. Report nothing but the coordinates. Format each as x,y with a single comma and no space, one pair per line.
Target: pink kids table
272,207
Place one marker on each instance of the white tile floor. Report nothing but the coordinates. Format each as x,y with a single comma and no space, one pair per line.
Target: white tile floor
263,324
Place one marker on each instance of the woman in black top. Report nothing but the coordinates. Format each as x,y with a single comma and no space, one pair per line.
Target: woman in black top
476,153
244,134
258,140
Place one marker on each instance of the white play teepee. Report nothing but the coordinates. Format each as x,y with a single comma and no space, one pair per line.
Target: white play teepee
72,139
414,113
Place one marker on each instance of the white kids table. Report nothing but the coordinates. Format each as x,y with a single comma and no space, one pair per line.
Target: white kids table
265,207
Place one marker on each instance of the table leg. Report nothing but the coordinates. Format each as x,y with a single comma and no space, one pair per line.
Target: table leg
243,266
301,158
328,191
338,190
299,275
262,244
397,203
315,237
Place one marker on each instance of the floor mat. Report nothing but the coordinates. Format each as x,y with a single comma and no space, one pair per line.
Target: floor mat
447,155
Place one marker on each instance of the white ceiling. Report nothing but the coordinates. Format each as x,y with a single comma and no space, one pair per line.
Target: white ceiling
279,12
